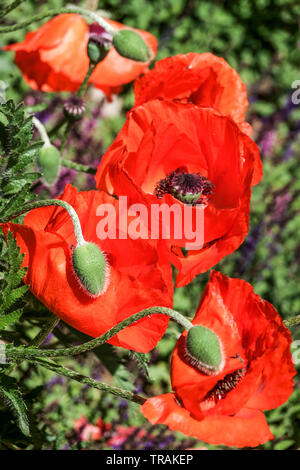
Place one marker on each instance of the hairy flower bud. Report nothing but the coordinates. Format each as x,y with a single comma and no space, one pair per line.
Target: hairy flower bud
48,162
130,44
99,43
203,350
91,268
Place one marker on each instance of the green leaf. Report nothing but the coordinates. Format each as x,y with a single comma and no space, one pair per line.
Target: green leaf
12,292
10,319
283,445
17,158
12,397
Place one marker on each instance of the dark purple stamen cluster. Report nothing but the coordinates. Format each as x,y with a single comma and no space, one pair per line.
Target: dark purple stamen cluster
225,385
190,188
74,107
99,35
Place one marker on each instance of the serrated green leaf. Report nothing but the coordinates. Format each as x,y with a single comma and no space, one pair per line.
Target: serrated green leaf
13,296
9,319
12,397
12,292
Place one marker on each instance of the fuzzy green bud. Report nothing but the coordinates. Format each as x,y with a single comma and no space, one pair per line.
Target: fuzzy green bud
91,268
99,43
204,350
96,52
48,162
131,45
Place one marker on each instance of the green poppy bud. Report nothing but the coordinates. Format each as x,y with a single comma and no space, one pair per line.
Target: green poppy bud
48,162
96,52
99,43
91,268
130,44
204,350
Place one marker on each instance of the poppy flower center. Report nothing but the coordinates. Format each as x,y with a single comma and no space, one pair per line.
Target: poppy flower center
98,34
190,188
225,385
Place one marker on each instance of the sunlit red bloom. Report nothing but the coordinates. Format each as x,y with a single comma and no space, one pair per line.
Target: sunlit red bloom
161,137
122,433
88,431
258,375
54,57
140,275
202,79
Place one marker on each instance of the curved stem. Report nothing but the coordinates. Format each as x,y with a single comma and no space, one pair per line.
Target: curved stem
72,9
289,322
66,136
11,7
28,353
79,167
42,131
80,93
61,370
45,332
54,202
85,82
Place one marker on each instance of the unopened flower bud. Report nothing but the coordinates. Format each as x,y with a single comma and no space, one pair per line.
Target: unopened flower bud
99,43
48,162
131,45
203,350
91,268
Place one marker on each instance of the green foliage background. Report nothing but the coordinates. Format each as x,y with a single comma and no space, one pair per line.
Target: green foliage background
260,38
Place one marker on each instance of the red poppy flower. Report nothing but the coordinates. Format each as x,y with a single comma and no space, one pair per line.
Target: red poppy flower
166,149
88,431
54,57
202,79
226,408
140,276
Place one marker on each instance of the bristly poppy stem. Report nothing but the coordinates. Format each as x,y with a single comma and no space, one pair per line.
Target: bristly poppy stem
289,322
84,84
28,353
66,372
45,331
66,135
42,131
72,9
11,7
79,167
80,93
54,202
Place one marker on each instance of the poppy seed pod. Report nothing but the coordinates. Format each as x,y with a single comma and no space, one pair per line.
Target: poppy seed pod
91,268
131,45
203,350
48,162
74,108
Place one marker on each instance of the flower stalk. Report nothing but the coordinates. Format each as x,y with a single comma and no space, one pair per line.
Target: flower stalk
72,9
54,202
28,353
66,372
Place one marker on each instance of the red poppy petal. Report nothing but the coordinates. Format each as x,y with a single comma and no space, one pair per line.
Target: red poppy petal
54,58
140,274
203,79
248,428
